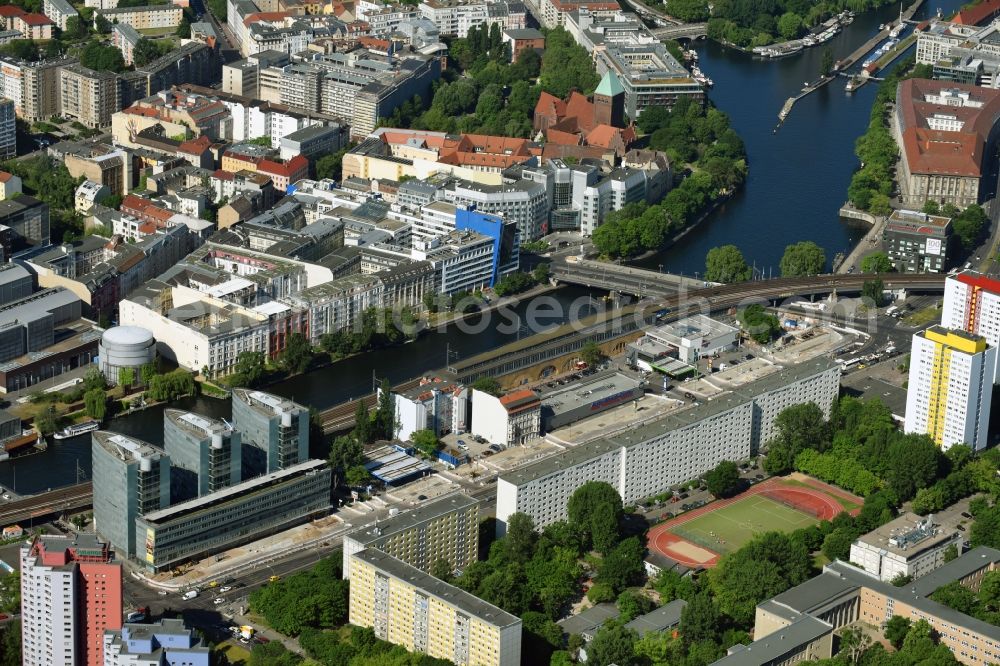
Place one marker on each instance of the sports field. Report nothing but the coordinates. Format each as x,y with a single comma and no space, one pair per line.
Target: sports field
698,538
728,528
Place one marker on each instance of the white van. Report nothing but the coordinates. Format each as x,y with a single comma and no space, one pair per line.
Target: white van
190,594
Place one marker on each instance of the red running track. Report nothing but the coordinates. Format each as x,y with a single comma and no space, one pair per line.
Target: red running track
809,500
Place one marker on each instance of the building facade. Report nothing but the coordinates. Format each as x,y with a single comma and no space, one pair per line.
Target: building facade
507,420
205,453
950,387
408,607
917,242
233,516
274,431
972,304
910,545
71,593
130,478
166,643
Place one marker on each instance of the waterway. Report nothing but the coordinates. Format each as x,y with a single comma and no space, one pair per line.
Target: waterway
332,385
799,175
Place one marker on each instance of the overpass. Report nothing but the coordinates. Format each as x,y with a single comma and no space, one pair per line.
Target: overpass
603,327
53,502
682,31
624,279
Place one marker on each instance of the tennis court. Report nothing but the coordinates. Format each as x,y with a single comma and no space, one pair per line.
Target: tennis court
727,528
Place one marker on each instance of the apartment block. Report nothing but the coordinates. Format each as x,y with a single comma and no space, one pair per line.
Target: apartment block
145,17
950,387
134,479
408,607
650,458
60,11
275,431
42,88
71,593
89,96
972,304
435,405
442,529
8,129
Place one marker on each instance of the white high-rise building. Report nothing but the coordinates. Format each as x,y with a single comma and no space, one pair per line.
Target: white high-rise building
972,304
950,385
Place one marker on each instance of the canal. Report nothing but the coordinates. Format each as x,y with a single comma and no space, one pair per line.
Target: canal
332,385
798,176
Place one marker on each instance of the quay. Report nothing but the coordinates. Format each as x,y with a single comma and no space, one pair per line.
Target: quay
854,57
615,327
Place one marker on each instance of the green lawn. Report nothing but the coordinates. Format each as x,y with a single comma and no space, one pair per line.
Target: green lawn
727,529
236,654
923,317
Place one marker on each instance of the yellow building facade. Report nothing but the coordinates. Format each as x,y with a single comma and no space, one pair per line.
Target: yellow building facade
408,607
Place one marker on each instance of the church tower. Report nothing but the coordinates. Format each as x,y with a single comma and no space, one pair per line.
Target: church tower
609,101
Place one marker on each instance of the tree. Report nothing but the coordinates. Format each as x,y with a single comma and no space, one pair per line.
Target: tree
95,403
248,370
488,385
873,292
273,654
46,421
147,372
357,476
102,58
837,544
854,642
345,453
595,508
803,258
426,442
145,52
126,377
622,566
519,542
877,262
759,324
896,629
363,431
724,479
969,226
950,553
789,25
726,264
297,355
10,644
442,570
632,604
331,165
700,619
385,423
804,426
826,64
591,353
613,644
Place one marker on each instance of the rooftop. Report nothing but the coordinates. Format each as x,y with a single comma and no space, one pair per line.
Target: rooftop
672,421
908,535
233,493
409,519
596,388
448,594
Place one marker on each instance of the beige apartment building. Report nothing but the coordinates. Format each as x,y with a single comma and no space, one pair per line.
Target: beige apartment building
408,607
88,96
146,17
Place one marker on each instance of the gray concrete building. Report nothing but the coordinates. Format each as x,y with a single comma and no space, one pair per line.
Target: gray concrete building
130,478
28,219
275,431
235,515
313,142
16,282
205,453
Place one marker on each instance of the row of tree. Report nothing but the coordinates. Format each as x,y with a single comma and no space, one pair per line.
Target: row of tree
356,647
871,185
727,265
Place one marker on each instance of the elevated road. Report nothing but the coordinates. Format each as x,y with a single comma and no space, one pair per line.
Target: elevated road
624,279
569,338
53,502
682,31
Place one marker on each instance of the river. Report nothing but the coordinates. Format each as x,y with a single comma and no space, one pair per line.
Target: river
798,176
323,388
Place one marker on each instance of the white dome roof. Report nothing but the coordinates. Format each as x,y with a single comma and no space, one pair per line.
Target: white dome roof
127,335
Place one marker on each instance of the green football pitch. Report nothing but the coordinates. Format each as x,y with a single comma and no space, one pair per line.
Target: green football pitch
727,529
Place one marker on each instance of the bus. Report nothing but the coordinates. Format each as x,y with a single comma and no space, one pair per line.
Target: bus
849,363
